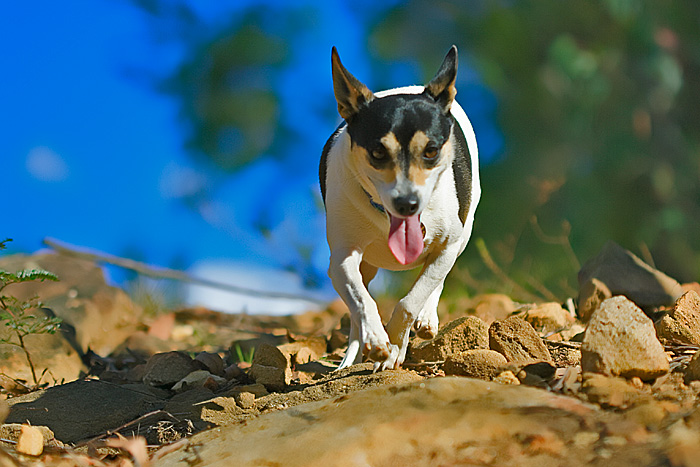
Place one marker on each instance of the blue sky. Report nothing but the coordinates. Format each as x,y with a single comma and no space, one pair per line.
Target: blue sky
93,155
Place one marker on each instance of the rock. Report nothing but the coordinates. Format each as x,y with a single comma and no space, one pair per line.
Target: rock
57,353
621,341
31,441
692,371
199,379
304,351
537,374
609,391
476,363
166,369
245,400
338,340
270,367
493,307
516,339
507,377
82,409
269,355
625,274
465,333
102,316
591,294
547,317
564,355
274,379
13,432
440,421
212,362
682,324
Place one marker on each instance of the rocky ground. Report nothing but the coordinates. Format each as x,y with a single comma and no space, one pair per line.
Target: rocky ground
611,378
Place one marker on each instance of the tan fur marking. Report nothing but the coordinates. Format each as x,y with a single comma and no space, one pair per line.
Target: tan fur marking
391,144
417,174
418,143
364,169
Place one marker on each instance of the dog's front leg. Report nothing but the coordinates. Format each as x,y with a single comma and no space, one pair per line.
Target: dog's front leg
367,334
424,293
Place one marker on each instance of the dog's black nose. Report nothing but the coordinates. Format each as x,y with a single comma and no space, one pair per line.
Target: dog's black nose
406,205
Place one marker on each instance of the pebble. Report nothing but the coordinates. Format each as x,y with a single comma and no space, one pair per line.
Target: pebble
517,340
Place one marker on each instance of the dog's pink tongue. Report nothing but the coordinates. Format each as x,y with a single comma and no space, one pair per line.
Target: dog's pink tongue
406,238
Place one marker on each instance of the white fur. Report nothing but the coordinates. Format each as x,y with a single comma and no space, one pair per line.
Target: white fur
358,232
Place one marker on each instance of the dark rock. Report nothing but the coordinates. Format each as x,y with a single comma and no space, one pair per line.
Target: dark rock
81,409
210,361
516,339
166,369
621,341
625,274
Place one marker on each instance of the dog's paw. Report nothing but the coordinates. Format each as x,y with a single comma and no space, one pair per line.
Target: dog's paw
426,326
375,343
425,330
393,362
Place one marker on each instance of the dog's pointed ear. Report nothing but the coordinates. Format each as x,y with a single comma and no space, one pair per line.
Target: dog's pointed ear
442,86
350,93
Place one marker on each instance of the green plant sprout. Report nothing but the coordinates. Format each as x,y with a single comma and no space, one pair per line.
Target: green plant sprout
242,356
15,313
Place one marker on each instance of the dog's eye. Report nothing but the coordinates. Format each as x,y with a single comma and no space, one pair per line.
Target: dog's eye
431,152
379,153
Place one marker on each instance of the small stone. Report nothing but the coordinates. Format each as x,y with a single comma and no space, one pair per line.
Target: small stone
273,378
547,317
166,369
465,333
211,362
31,441
682,324
533,374
621,341
507,377
199,379
245,400
304,351
233,372
269,355
476,363
591,294
516,339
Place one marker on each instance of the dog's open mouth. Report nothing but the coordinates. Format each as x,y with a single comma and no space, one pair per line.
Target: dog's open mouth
406,238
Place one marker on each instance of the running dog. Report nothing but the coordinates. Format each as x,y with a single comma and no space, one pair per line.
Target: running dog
400,182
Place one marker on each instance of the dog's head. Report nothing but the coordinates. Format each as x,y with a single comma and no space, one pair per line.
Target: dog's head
400,145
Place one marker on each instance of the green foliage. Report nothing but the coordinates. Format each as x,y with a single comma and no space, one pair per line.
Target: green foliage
242,356
15,313
597,102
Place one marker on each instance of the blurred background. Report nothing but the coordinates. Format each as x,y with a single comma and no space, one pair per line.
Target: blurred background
187,133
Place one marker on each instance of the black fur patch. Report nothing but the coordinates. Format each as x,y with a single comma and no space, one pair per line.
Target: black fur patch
323,165
462,168
403,115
